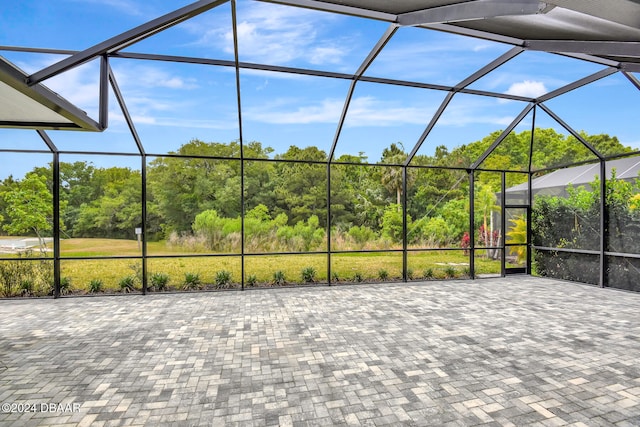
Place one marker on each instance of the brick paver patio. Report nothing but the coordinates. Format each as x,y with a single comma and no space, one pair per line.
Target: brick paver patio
498,352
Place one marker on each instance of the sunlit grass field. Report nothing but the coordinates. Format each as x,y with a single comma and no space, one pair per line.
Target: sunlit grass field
259,269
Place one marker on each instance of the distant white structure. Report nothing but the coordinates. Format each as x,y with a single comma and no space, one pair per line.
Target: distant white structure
556,183
12,246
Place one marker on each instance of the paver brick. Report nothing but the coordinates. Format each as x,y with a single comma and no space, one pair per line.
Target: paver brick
502,352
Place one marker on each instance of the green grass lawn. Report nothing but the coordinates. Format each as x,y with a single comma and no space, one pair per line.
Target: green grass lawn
344,267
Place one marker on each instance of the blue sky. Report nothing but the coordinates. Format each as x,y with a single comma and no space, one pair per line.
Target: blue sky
173,103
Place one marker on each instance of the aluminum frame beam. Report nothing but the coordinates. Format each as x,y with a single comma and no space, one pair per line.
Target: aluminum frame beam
575,134
382,42
633,79
462,31
443,106
631,67
506,57
125,111
473,10
503,135
591,58
596,48
336,8
125,39
578,83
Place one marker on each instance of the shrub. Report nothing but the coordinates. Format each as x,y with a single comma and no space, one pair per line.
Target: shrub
95,286
223,279
383,274
335,277
65,285
465,243
428,273
127,284
308,274
362,234
434,231
357,277
159,281
279,278
392,223
26,287
409,273
449,272
251,281
191,281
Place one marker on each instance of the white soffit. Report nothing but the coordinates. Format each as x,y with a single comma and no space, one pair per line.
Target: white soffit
36,107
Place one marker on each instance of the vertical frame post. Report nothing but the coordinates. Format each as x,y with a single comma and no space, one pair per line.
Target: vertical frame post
104,92
329,222
143,176
404,224
472,231
234,24
56,224
503,224
604,221
530,192
529,218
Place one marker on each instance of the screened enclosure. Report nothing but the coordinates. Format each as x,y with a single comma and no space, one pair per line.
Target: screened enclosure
237,144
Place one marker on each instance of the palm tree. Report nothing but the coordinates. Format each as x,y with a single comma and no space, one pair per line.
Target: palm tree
485,202
392,176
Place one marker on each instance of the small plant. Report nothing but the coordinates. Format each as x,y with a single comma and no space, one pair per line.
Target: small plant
279,278
137,271
357,277
383,274
449,272
251,281
465,243
65,285
308,274
127,284
191,281
26,287
466,271
428,273
335,277
95,286
159,281
223,279
410,273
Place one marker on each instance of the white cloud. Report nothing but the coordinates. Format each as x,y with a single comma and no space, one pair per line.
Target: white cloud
469,111
433,57
274,34
145,76
288,111
150,92
363,112
369,111
186,123
528,88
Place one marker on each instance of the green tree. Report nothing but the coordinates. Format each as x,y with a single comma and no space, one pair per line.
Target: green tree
29,208
392,176
182,187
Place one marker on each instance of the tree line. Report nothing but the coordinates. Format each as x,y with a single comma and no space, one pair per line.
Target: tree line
189,196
